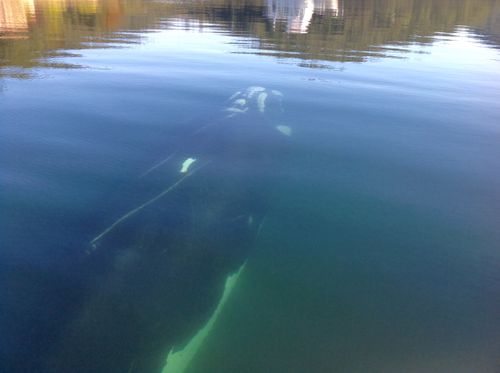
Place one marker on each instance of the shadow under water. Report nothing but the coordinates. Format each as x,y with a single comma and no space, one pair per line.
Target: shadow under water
158,269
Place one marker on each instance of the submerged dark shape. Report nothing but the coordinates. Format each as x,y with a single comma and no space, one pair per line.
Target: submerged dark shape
158,270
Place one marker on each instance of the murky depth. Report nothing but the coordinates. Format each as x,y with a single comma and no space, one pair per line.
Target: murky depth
249,186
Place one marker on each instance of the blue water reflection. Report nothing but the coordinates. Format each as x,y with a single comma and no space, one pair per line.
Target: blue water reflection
352,181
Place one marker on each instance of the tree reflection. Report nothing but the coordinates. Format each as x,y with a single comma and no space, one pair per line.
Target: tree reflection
312,30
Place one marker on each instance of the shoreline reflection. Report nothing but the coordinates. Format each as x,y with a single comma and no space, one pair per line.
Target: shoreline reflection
32,31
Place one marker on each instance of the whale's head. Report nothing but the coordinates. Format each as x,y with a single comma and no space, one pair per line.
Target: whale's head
264,104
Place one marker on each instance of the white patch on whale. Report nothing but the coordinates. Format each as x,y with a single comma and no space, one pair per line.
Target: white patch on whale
253,90
236,110
285,130
240,101
277,93
234,95
186,164
261,102
178,361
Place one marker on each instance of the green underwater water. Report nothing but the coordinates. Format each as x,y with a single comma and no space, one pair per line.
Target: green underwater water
338,214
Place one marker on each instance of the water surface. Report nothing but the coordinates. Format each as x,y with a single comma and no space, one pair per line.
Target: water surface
368,239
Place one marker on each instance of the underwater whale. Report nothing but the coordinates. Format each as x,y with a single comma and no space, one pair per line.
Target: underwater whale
161,271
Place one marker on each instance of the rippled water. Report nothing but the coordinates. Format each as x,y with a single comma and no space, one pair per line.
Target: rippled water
338,214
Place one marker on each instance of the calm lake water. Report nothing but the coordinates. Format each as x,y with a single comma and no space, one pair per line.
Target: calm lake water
250,186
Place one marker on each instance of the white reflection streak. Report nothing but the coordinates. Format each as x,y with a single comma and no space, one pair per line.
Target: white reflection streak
298,14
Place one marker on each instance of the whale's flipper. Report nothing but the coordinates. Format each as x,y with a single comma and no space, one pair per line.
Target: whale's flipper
178,360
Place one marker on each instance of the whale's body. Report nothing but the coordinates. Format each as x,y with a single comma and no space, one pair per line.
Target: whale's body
159,269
